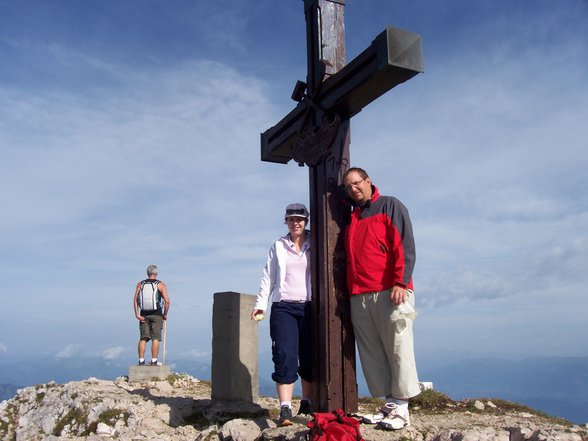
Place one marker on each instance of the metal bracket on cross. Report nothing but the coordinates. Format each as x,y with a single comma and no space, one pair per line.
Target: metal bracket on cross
313,143
319,129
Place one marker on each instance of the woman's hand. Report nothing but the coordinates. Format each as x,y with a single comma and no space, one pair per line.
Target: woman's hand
257,312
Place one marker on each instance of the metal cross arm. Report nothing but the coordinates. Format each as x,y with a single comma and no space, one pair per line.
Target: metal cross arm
394,57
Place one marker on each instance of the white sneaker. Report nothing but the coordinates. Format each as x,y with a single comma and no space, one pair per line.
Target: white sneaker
396,420
383,412
390,416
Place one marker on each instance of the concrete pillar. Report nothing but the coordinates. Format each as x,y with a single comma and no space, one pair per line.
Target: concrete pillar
148,373
235,375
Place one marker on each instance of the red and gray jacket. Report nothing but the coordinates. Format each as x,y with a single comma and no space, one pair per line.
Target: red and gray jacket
379,244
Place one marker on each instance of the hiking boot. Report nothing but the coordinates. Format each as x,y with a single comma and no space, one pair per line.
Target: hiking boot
285,417
141,363
305,408
152,363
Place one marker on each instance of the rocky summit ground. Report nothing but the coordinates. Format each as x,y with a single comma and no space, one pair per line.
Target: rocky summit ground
180,409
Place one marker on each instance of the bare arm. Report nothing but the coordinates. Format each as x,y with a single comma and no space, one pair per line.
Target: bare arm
163,290
135,304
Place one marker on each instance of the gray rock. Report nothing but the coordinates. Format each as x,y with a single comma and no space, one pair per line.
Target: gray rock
479,405
240,430
104,429
295,432
180,409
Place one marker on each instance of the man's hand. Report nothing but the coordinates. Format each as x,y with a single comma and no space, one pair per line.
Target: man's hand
397,294
140,318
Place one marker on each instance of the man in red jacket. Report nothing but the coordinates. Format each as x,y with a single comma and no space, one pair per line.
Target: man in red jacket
380,253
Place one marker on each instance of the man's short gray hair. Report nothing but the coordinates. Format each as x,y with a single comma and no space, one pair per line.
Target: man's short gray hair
152,270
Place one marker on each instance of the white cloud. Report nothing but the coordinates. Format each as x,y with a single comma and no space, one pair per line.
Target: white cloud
111,166
113,353
488,153
69,351
196,354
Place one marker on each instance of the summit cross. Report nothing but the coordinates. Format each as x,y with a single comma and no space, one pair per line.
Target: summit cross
316,133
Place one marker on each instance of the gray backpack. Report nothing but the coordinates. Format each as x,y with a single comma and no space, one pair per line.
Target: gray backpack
150,299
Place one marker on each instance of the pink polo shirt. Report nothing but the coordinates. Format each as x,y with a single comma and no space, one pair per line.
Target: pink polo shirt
294,289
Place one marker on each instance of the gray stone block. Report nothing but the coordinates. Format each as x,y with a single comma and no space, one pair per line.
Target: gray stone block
148,373
235,375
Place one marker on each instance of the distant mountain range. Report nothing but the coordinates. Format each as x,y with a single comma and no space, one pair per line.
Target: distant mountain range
554,385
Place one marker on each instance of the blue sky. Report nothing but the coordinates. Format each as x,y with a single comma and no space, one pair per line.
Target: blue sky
129,133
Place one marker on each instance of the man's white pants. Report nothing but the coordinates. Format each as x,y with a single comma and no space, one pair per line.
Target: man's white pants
385,343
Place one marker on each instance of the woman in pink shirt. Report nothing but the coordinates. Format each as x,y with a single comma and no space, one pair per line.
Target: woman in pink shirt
286,281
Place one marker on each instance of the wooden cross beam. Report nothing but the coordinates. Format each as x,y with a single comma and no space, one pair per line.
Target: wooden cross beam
316,133
393,58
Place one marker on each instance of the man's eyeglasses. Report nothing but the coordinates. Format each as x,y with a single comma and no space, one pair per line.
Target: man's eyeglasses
296,220
354,184
292,211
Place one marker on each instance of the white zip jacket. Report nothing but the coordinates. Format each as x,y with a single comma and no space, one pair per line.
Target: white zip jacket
274,273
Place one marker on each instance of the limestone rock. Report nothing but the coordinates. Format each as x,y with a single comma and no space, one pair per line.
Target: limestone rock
180,409
240,430
104,429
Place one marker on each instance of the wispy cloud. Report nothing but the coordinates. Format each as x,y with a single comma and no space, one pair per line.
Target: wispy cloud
488,152
196,354
116,156
69,351
113,353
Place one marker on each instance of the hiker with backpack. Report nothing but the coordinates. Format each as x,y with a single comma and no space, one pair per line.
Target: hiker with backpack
151,303
286,281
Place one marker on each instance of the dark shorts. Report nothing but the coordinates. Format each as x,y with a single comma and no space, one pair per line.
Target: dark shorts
150,329
291,342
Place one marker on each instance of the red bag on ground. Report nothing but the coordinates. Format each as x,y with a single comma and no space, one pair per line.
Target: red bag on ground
333,426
